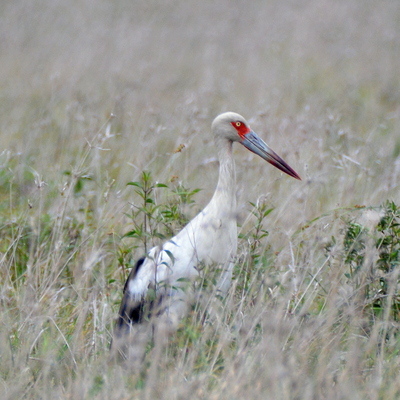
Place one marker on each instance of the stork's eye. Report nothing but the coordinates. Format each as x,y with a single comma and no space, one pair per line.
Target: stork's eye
241,128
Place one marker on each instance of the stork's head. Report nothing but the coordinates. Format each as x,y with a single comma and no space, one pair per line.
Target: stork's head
234,127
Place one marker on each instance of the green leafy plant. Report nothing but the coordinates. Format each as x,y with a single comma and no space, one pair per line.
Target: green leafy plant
153,218
173,211
145,216
382,284
258,251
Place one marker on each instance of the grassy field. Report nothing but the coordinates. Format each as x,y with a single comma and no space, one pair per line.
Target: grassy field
94,93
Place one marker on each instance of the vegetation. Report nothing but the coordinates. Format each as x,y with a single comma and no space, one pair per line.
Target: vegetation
105,117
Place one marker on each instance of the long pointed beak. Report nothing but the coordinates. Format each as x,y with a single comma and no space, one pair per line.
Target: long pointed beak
255,144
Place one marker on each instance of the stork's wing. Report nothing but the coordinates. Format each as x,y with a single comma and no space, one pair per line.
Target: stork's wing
149,272
130,309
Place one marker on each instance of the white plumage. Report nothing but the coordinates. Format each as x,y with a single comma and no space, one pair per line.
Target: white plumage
209,239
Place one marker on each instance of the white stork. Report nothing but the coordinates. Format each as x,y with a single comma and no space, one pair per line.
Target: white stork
208,239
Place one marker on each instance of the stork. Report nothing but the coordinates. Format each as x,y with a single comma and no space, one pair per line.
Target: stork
208,239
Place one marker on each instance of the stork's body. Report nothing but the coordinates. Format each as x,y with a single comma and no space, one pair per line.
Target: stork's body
209,239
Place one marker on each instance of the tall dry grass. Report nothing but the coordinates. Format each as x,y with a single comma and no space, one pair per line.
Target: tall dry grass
93,92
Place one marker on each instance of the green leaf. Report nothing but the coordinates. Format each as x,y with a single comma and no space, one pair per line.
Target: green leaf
184,280
268,212
137,184
170,255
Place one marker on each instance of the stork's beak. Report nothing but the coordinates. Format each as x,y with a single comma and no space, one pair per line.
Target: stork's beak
255,144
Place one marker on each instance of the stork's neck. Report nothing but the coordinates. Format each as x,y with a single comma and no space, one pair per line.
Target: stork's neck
225,194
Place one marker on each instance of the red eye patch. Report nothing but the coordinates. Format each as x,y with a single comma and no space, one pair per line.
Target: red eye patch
241,128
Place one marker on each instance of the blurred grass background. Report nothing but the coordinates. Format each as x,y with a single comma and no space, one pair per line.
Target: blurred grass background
94,92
